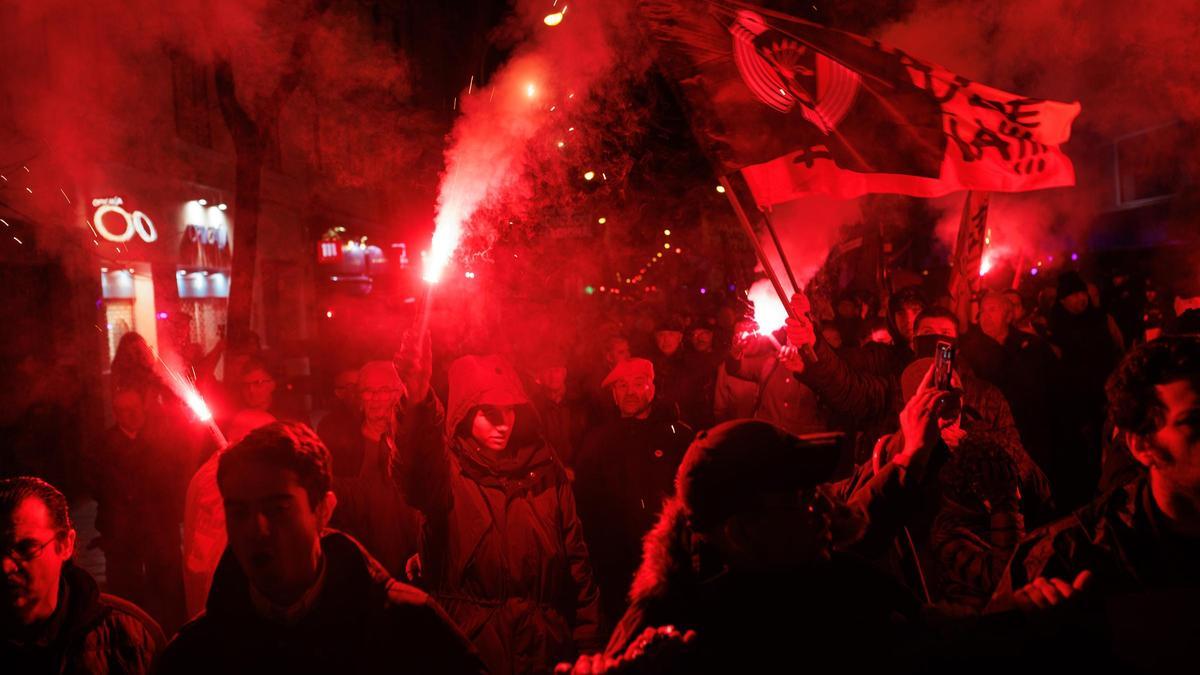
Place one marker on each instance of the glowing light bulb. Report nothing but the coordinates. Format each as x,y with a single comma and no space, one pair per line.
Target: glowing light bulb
666,246
602,220
721,189
530,90
589,175
553,19
667,232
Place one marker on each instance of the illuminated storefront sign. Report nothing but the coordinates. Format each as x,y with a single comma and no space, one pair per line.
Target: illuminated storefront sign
111,211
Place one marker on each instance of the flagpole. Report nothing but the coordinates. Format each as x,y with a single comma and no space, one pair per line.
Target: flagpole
787,267
758,249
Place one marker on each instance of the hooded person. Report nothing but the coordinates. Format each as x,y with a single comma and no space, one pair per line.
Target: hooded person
371,509
503,550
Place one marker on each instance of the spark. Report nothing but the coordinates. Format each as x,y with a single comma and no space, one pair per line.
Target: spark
5,222
721,189
29,190
602,220
471,84
18,240
589,175
530,90
64,194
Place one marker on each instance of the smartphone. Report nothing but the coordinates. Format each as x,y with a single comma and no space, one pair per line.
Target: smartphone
943,366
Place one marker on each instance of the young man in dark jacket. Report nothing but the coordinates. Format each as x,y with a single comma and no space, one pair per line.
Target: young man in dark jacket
287,599
1140,543
55,620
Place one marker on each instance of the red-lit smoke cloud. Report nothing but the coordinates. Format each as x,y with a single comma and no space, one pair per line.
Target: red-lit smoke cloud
498,135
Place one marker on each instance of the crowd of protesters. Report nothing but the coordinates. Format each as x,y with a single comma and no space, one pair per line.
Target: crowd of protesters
671,491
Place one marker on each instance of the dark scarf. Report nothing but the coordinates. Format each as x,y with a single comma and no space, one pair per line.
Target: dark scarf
513,470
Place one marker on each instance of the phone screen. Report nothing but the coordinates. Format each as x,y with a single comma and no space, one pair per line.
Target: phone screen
943,366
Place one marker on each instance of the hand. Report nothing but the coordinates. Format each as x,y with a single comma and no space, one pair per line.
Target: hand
800,304
589,664
1043,593
414,363
743,334
919,421
789,357
655,650
412,567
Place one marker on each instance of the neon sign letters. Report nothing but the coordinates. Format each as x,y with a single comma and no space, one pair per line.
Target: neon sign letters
135,223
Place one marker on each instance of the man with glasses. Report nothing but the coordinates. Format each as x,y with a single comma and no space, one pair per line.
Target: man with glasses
257,386
53,616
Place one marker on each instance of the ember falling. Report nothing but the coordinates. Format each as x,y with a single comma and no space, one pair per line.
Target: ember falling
401,261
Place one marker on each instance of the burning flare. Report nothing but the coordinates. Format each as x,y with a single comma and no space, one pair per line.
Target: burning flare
769,312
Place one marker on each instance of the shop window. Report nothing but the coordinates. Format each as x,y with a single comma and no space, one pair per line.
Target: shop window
118,315
206,325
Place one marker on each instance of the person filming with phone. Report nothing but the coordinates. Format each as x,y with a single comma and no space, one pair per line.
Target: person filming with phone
976,410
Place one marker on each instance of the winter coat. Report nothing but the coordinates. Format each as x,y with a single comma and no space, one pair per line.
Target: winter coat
363,621
1026,371
89,632
139,483
1138,614
1120,537
733,398
562,422
370,506
931,541
503,549
871,402
626,470
813,615
783,399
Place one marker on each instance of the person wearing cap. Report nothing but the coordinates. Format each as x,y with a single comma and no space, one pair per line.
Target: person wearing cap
371,509
503,548
753,551
625,471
